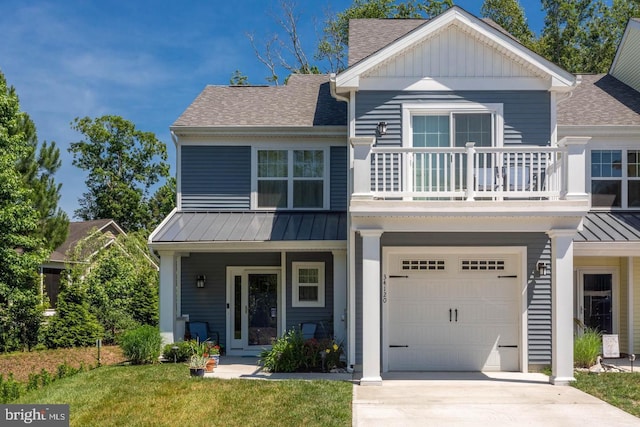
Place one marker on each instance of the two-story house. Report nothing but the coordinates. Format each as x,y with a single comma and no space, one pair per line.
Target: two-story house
421,205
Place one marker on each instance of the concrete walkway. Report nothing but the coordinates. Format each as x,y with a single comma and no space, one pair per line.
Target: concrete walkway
480,399
247,367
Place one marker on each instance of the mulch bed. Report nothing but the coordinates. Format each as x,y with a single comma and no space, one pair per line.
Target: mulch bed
21,364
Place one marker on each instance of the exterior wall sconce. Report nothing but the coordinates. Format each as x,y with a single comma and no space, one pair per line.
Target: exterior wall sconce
200,280
381,128
542,268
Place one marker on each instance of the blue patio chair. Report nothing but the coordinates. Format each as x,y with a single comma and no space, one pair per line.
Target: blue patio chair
200,331
308,330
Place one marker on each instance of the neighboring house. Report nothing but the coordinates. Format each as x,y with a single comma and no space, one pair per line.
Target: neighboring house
422,204
52,270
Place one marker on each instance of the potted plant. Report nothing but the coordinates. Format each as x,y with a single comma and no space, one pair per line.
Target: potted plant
213,352
197,365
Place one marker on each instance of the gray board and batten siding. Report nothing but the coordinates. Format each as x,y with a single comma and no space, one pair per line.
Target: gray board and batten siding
527,114
209,303
217,178
538,287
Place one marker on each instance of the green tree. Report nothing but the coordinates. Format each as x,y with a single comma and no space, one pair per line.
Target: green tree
162,202
122,284
38,168
510,16
73,325
238,79
123,163
20,244
334,42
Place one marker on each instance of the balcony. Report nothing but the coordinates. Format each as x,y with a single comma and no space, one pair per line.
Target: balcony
470,176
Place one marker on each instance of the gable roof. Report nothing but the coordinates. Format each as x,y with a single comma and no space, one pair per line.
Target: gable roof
600,100
626,64
488,33
80,230
305,101
368,35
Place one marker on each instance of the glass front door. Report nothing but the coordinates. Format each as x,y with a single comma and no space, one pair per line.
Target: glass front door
597,300
253,308
263,308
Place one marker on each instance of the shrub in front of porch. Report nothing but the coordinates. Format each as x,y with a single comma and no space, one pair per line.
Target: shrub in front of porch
291,353
586,348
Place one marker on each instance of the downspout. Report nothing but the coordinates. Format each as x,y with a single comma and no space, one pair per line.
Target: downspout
350,312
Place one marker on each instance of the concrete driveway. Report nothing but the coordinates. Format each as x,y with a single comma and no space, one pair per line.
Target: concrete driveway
480,399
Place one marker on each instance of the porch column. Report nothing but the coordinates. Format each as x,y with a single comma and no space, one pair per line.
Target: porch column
630,305
167,296
371,307
362,166
561,306
340,295
576,166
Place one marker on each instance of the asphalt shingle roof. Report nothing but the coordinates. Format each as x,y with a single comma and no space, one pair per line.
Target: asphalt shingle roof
304,101
367,36
77,231
600,100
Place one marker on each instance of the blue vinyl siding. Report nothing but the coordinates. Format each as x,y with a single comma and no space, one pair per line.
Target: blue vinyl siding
527,114
538,288
215,178
338,178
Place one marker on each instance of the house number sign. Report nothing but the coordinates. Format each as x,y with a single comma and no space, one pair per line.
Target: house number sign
384,289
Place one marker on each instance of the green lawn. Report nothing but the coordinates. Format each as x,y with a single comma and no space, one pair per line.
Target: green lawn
166,395
619,389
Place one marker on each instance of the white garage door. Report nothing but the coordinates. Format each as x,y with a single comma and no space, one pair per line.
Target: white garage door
452,312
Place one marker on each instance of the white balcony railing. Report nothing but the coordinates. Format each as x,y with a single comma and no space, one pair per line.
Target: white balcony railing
470,173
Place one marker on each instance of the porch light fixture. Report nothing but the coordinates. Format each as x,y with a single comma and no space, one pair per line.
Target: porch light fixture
382,128
200,281
542,268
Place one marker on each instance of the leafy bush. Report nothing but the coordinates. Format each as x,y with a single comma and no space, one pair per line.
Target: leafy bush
586,348
141,345
10,389
181,352
286,354
291,353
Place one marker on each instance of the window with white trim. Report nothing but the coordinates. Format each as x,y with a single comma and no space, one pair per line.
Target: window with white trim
291,179
615,178
308,284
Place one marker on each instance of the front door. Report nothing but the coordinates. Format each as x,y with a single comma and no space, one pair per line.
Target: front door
596,301
253,309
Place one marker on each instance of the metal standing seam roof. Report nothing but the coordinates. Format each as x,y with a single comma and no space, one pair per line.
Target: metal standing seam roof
610,227
253,227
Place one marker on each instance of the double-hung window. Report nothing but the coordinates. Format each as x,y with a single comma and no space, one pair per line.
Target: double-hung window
290,179
308,284
615,178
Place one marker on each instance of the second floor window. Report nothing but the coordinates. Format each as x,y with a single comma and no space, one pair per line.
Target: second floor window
615,178
291,179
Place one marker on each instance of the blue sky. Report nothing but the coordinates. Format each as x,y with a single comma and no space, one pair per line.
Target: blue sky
143,60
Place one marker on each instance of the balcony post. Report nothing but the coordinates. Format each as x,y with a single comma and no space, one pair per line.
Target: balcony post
471,155
362,166
575,174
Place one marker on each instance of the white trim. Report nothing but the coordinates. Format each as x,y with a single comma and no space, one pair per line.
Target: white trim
453,83
252,246
615,292
295,284
161,225
630,306
609,249
251,132
290,148
282,312
520,252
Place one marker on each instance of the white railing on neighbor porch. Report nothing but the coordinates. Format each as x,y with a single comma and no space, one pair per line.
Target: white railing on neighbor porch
470,173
